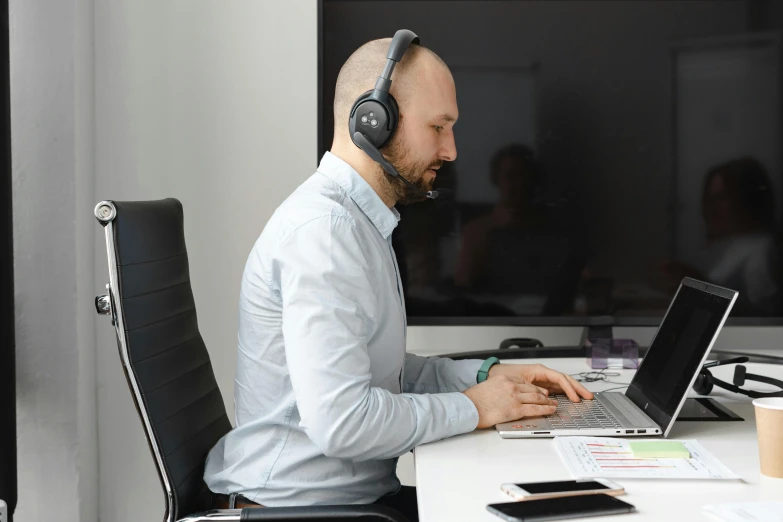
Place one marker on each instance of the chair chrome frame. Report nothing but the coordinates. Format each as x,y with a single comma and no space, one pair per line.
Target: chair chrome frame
214,515
105,212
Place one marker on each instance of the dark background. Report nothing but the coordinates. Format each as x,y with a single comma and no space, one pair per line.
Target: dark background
601,122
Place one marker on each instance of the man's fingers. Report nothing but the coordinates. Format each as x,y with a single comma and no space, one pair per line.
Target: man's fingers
532,388
535,410
562,380
536,398
580,389
574,390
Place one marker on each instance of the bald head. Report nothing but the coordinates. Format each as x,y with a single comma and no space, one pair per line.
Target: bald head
360,72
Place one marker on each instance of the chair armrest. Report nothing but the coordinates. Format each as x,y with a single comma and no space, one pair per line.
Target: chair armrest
360,513
363,513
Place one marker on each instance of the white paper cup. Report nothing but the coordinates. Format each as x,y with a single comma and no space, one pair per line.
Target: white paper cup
769,428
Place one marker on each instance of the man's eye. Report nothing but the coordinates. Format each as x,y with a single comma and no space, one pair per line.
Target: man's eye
438,128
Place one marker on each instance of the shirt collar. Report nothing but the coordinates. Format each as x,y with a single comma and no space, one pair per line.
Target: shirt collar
384,218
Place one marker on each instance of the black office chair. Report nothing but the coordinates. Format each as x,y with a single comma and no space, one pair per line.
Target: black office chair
167,364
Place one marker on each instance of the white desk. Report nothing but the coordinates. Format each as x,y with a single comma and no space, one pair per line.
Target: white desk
456,478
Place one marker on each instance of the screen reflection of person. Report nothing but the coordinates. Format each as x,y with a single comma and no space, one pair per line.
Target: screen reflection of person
514,172
743,251
418,242
523,248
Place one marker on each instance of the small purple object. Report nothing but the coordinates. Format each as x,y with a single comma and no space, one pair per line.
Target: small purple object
612,353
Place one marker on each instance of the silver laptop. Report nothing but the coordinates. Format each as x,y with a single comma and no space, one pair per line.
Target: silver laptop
659,389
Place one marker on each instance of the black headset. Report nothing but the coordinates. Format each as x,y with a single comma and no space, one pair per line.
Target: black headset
375,114
705,380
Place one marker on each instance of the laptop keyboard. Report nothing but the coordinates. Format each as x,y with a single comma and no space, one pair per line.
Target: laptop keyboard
581,415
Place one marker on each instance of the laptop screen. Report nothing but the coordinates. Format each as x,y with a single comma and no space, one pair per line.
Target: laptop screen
679,348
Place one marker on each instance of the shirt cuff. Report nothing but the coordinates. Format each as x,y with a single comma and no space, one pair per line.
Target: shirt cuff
468,371
462,413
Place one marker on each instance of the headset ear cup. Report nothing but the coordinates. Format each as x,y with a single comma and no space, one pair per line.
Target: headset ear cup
387,112
352,126
703,384
394,115
739,375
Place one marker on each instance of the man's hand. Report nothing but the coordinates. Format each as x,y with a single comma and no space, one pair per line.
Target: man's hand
506,398
538,374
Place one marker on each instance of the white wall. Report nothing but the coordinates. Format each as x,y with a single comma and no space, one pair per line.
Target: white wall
51,118
213,103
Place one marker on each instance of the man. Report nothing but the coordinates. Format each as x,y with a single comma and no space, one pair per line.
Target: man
326,398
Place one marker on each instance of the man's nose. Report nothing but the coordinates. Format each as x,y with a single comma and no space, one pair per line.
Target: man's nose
448,150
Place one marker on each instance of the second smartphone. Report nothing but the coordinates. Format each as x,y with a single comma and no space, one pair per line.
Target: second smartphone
560,508
561,488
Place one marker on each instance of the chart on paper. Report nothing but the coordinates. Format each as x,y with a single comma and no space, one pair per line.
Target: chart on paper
613,458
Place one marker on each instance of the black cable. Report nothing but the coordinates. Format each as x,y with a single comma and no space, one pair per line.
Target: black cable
598,376
595,376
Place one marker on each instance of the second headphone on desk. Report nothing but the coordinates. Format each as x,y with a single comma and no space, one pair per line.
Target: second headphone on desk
705,380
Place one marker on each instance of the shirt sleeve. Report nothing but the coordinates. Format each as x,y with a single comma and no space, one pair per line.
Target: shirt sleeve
439,375
329,313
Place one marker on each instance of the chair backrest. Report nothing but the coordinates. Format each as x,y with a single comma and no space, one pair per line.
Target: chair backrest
164,357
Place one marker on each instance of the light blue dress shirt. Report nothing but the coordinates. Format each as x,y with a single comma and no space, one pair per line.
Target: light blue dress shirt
326,398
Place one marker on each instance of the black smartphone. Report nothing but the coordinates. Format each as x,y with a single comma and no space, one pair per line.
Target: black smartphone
560,508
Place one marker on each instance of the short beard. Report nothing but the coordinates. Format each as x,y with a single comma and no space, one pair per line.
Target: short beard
397,153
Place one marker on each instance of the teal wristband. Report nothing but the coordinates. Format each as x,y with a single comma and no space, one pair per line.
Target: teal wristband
483,372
